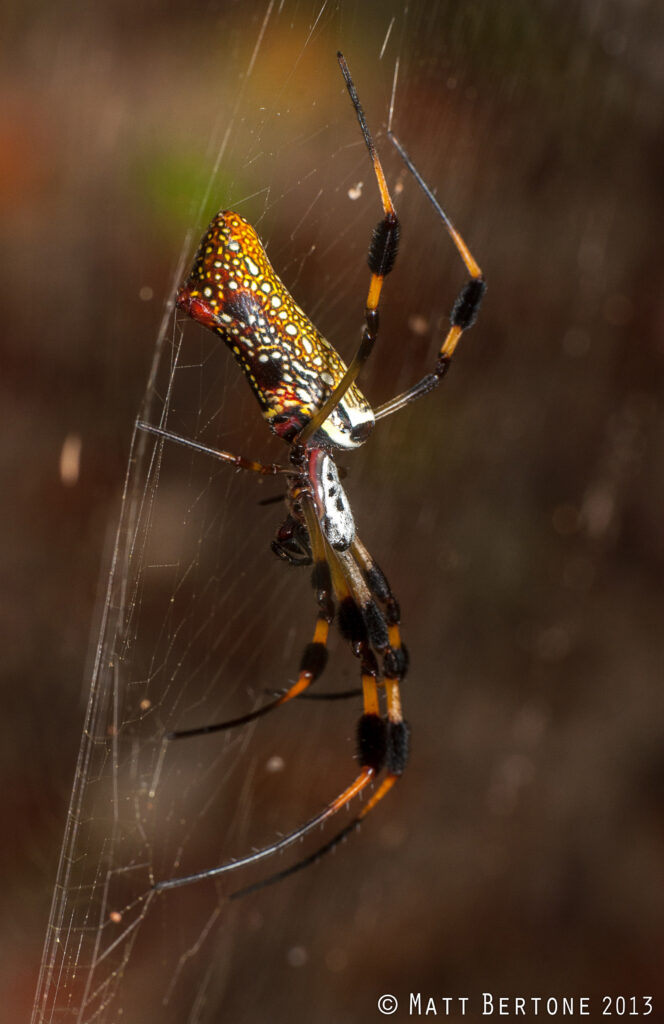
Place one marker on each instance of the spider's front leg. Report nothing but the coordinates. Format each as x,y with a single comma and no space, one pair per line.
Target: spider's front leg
381,259
464,311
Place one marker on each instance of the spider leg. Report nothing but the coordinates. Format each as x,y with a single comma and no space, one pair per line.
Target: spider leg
314,656
360,783
372,589
464,311
327,695
360,621
384,635
239,461
397,734
380,588
378,585
312,858
340,695
381,259
372,740
380,742
380,632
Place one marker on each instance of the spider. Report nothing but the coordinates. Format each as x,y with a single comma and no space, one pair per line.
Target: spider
310,399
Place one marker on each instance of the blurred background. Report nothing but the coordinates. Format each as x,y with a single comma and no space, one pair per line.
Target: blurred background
517,511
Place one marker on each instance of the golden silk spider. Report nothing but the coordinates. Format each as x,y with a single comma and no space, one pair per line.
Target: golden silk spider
310,399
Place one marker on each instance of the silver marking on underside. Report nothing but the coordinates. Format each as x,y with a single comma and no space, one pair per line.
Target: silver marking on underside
336,519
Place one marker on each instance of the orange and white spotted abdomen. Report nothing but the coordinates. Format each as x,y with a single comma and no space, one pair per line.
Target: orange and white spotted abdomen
233,289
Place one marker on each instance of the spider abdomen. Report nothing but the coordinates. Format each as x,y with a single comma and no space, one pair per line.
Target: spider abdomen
292,369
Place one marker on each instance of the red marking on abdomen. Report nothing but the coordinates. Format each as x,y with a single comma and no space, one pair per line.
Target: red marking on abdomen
196,308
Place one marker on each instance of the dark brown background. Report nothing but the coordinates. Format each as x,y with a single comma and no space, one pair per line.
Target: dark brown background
517,512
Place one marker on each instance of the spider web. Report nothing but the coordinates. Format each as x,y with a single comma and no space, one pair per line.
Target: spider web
199,619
